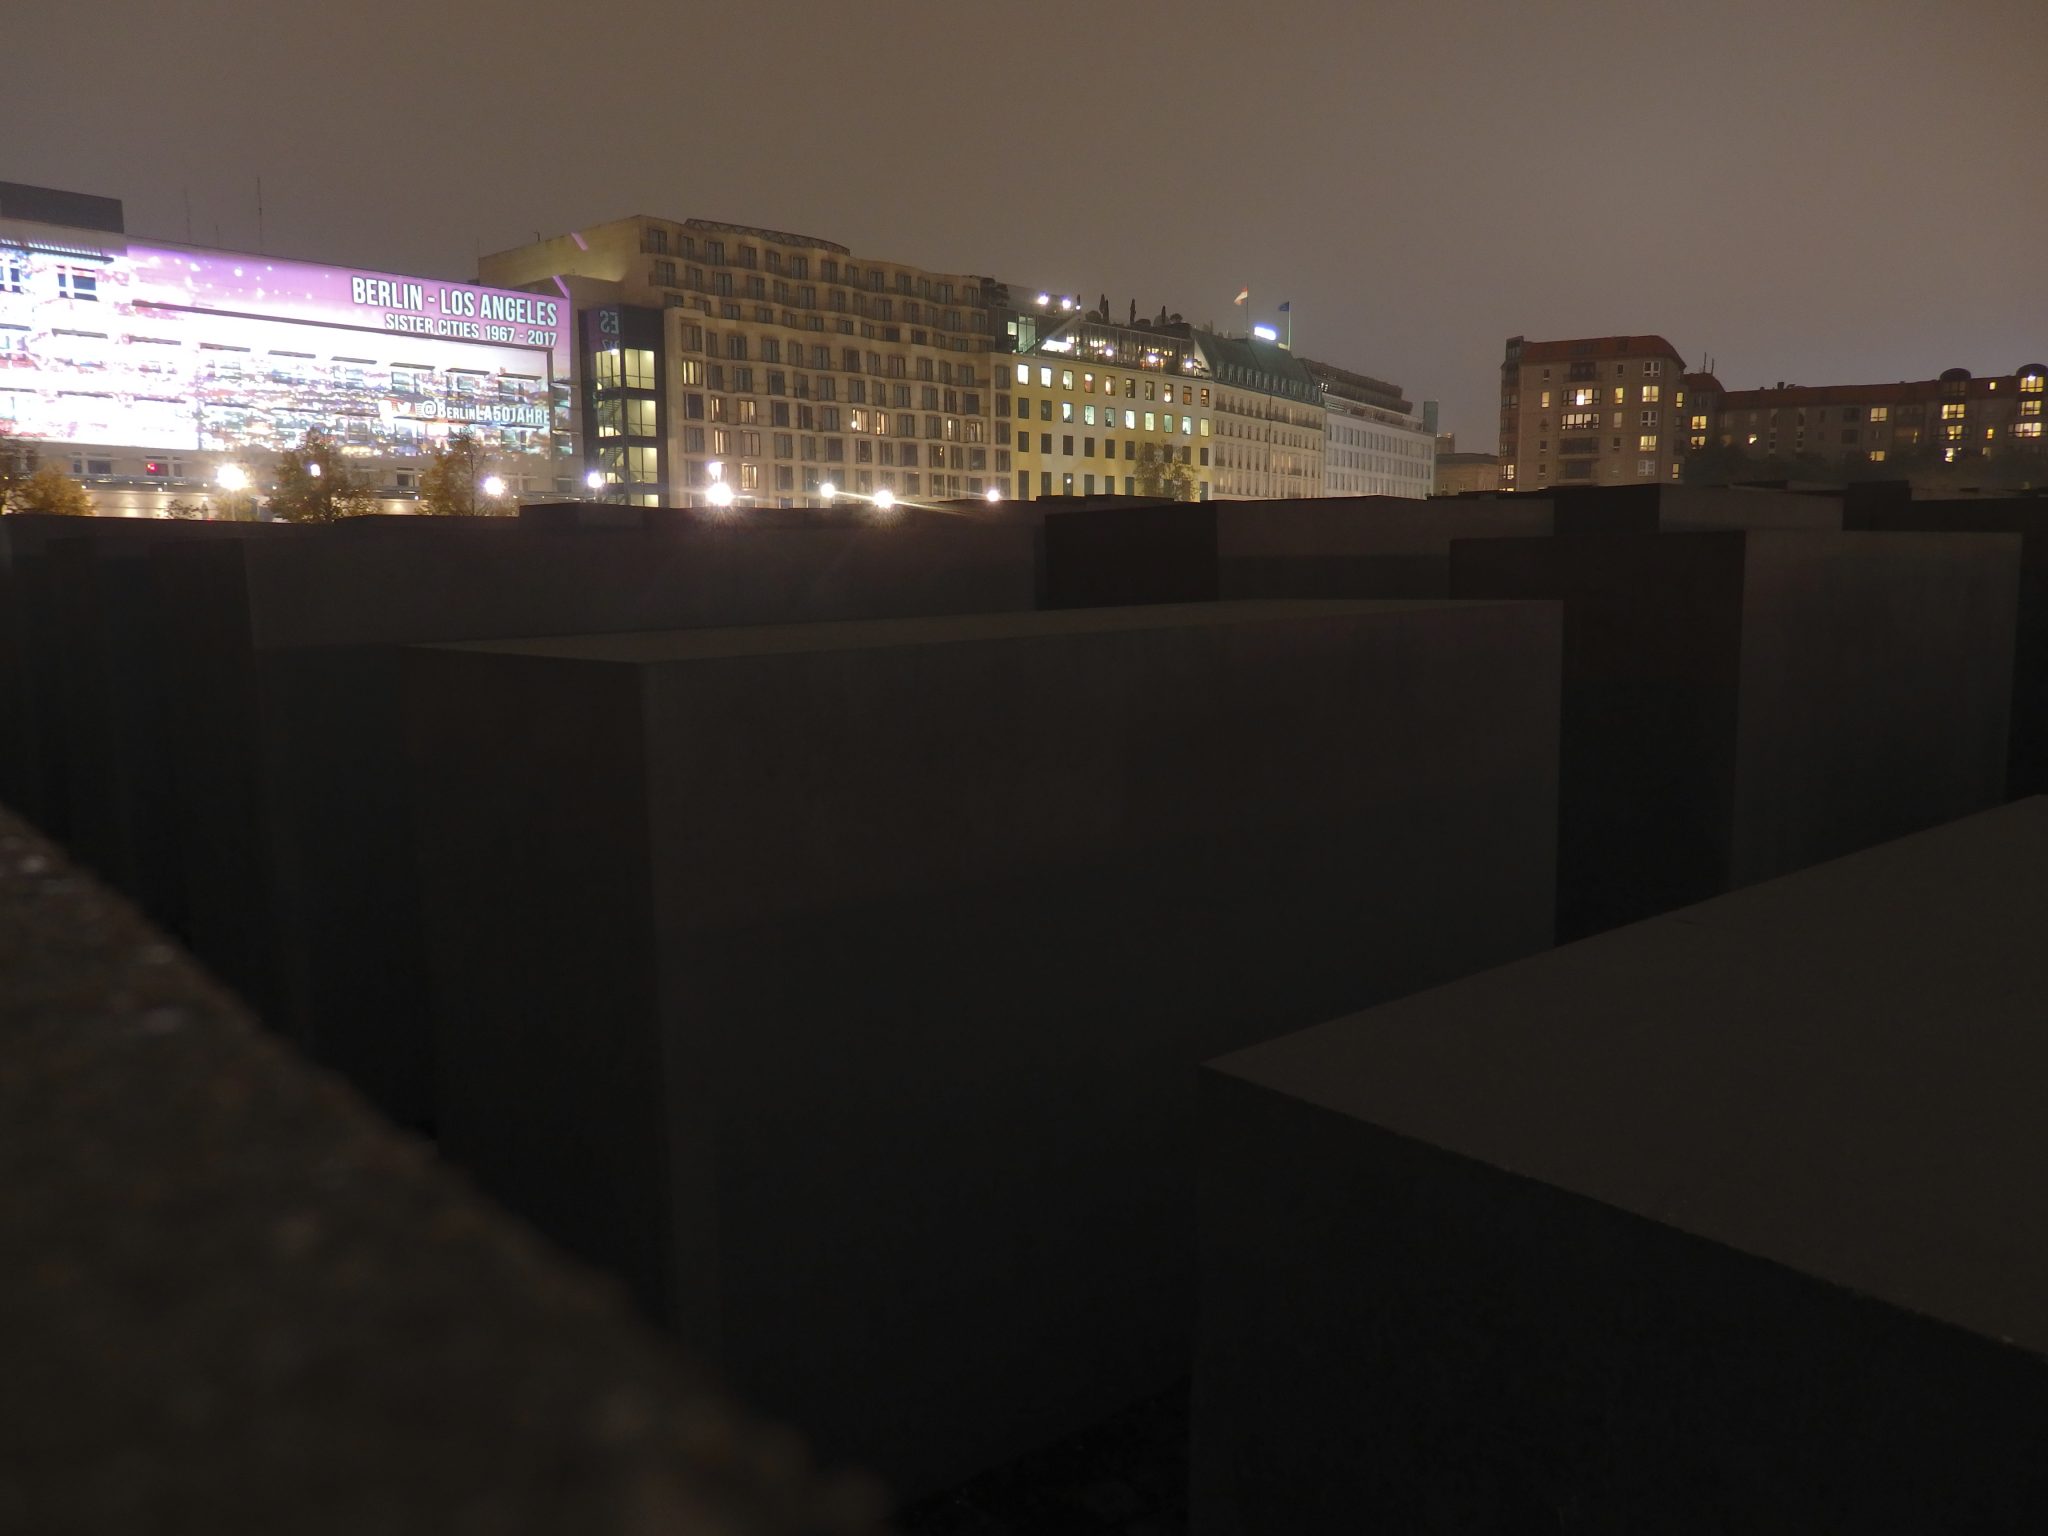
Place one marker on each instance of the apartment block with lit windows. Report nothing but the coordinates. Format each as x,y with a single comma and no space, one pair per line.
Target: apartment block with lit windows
1086,407
775,362
1596,410
1916,422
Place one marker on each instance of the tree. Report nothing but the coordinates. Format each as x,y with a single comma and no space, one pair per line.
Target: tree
456,482
51,492
1161,473
315,484
17,463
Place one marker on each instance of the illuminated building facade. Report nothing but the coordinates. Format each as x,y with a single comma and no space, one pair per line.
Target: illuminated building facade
1946,420
1373,443
1596,410
771,363
147,368
1087,407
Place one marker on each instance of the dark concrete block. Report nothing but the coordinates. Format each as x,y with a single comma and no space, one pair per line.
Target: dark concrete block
33,768
1586,509
1340,546
1738,705
284,659
235,1301
2027,763
108,702
843,986
1726,1221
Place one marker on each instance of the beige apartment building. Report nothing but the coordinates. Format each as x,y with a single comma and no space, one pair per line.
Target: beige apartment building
1917,423
1599,410
774,363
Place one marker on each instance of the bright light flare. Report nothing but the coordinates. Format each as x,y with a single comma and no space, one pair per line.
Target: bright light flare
494,485
719,494
885,498
993,493
231,477
594,480
828,490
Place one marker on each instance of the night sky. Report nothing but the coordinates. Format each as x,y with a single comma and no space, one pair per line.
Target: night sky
1811,190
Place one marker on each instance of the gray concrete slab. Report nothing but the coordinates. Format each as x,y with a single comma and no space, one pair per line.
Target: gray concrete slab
842,986
236,1301
2027,770
1728,1220
287,742
1740,704
1342,546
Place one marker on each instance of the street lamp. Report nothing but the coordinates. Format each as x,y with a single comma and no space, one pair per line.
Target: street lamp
231,477
494,486
719,494
994,493
828,490
594,480
885,498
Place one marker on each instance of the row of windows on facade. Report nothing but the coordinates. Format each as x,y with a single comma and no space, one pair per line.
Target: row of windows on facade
766,314
1182,453
1132,388
734,347
803,296
644,465
656,242
1088,414
1069,483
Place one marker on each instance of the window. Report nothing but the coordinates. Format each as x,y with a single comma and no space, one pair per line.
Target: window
638,367
1580,420
1023,373
1880,413
2026,429
1584,396
1066,410
665,273
1647,443
1952,411
1546,399
1652,393
2032,383
1646,466
78,283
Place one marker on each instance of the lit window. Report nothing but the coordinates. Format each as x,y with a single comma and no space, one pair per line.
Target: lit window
1045,378
1952,411
1652,393
2030,407
1880,413
1088,415
1699,423
1585,396
1066,378
2031,383
1066,410
1130,421
1023,373
1546,400
1647,443
2026,429
1877,455
1621,394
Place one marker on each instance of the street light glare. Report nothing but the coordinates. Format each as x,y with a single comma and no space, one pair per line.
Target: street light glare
720,494
828,490
994,493
494,485
314,469
885,498
231,477
594,480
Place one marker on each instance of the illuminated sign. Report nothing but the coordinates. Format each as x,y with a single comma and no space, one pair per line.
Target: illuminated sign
160,347
1265,333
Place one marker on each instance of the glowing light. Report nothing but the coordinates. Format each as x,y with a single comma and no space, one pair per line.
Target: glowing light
493,485
231,477
885,498
994,493
1044,299
720,494
715,469
595,480
314,470
828,490
1265,333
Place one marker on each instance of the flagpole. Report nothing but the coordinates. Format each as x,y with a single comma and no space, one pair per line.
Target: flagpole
1290,325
